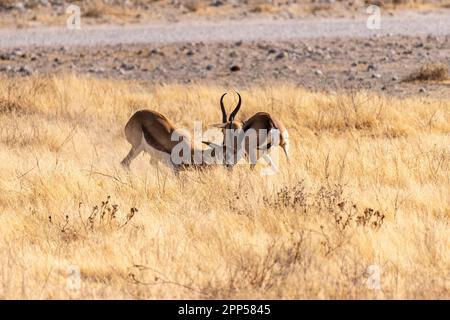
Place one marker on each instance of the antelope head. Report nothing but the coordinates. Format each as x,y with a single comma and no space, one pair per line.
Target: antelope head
229,123
232,129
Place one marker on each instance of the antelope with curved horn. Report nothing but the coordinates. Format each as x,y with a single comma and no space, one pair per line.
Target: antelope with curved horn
258,122
153,133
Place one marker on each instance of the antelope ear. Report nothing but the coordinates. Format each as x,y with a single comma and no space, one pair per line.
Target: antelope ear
218,125
265,147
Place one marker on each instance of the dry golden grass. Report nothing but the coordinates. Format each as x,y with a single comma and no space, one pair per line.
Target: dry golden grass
368,184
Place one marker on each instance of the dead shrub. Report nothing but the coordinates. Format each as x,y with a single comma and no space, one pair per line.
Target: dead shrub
101,218
430,72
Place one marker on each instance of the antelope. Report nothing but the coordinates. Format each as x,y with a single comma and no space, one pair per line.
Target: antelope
258,122
152,132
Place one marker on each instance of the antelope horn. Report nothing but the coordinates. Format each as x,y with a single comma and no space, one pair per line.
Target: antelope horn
222,107
235,111
212,144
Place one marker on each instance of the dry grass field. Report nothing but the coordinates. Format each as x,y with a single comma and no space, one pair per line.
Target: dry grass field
368,184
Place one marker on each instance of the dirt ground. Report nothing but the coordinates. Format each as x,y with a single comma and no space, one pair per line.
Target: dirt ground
379,63
32,13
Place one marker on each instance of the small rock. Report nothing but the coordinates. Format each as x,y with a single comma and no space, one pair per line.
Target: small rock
279,56
422,90
354,64
190,53
272,51
96,70
209,67
5,56
235,68
232,54
371,67
376,75
19,7
394,78
19,53
238,43
383,88
25,70
156,51
216,3
127,66
5,68
318,72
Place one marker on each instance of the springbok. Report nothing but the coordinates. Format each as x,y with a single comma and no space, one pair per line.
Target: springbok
153,133
274,133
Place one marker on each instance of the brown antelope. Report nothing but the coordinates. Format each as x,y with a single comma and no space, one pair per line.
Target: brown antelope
275,133
153,133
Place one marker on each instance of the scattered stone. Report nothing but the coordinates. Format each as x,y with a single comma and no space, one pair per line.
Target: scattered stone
354,64
5,68
383,88
127,66
238,43
394,78
216,3
25,70
19,6
5,56
19,53
422,90
376,75
209,67
190,53
156,51
318,72
96,70
279,56
272,51
235,68
371,67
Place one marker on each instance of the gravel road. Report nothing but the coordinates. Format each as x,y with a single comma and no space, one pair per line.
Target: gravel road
409,23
